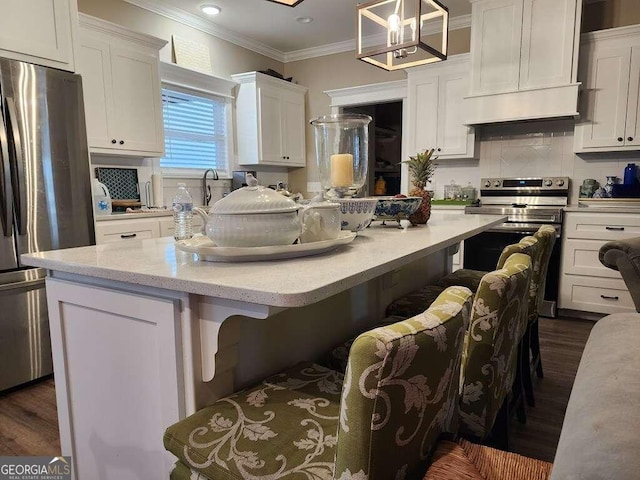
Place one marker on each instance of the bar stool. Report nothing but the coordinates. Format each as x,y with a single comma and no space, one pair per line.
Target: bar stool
380,420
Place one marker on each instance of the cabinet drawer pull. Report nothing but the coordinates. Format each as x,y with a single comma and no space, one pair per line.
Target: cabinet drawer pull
609,297
131,235
617,229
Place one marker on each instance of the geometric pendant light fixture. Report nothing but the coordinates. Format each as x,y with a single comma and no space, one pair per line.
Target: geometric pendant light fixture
397,34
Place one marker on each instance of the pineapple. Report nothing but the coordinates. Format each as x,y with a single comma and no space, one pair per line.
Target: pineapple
421,168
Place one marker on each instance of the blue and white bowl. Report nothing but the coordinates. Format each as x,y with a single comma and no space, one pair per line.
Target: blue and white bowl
357,213
393,208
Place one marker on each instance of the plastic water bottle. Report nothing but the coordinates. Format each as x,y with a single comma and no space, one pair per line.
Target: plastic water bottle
182,213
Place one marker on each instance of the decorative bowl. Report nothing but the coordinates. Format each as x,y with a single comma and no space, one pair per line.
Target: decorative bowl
394,208
357,213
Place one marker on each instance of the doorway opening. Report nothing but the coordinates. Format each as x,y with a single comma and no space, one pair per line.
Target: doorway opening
385,146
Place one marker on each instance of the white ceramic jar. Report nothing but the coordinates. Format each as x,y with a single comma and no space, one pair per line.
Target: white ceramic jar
252,216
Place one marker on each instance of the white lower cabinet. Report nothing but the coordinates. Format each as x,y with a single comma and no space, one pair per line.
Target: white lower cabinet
585,284
117,384
109,231
120,230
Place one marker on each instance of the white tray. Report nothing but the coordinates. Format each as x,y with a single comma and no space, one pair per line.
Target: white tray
210,252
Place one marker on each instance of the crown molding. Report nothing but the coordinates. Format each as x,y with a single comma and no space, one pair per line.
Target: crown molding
191,20
186,18
103,26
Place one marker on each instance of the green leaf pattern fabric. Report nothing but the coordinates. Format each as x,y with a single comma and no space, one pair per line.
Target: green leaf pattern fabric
401,390
498,317
313,423
546,236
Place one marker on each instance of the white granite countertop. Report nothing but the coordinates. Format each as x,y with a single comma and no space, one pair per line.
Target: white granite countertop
126,216
603,209
282,283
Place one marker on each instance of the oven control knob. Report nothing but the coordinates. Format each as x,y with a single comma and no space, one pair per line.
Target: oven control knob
548,183
560,183
487,184
496,183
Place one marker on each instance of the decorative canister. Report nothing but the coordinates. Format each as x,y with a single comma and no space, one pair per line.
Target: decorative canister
342,153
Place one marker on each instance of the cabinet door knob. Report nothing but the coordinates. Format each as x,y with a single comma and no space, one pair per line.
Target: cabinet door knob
620,139
113,141
439,149
630,139
121,142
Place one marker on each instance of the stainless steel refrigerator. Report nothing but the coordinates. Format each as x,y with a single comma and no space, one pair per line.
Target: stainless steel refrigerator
45,203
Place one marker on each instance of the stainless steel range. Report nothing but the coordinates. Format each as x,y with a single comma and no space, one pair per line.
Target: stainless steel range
528,203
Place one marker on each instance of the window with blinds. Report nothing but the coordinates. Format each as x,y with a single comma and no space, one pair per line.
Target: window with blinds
195,130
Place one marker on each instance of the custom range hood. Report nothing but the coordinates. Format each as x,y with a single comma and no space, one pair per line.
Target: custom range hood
524,60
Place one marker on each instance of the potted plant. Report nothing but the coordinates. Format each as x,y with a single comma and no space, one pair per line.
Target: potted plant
421,168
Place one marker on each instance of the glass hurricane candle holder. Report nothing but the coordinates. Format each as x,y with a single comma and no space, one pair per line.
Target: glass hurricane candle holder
342,153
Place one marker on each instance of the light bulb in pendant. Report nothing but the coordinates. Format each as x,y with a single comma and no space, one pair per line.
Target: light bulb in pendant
394,28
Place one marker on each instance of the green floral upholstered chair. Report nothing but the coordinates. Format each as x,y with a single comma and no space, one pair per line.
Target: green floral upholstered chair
546,236
378,421
498,317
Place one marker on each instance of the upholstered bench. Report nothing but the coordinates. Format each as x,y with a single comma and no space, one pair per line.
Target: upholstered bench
600,436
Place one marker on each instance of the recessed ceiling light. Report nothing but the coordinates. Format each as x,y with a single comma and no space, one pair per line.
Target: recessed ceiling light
210,9
304,19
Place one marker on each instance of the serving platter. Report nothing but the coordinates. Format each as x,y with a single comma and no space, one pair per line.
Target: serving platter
210,252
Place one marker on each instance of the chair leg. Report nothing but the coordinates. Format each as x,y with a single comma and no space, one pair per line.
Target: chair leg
536,361
525,368
517,391
499,437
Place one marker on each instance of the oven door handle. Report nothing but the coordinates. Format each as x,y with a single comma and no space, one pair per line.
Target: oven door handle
525,230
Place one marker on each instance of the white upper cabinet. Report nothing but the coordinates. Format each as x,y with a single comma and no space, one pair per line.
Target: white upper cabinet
123,102
270,121
523,60
436,109
610,72
39,31
495,37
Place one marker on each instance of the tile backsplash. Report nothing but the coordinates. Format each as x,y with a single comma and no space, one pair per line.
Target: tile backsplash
531,149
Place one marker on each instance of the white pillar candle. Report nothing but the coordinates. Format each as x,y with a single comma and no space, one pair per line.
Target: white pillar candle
341,170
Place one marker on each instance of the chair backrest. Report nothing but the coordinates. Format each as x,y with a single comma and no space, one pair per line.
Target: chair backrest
401,391
624,256
532,247
489,363
546,236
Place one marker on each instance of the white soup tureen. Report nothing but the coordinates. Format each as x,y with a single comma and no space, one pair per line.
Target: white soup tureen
252,216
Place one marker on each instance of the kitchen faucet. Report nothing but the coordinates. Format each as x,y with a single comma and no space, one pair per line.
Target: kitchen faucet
206,189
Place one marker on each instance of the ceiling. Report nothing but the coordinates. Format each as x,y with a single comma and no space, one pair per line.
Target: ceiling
273,27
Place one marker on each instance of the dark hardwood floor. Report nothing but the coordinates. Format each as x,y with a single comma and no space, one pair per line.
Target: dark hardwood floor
28,421
561,344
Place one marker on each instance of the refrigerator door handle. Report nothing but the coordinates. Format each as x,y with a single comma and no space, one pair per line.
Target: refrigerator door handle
5,182
22,285
19,194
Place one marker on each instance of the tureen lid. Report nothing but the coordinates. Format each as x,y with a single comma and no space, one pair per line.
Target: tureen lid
254,198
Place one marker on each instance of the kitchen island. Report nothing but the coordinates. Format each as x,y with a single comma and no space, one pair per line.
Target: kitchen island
143,334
